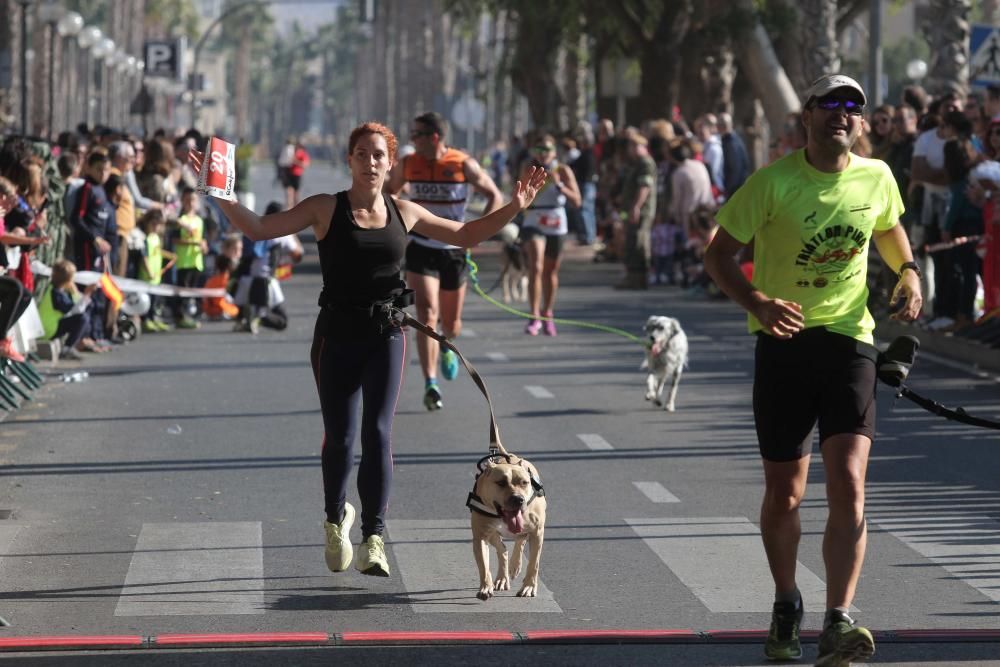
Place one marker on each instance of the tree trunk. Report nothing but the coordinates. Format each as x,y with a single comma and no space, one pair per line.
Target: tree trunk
534,67
947,32
767,76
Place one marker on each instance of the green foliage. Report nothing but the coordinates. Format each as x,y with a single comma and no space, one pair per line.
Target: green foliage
176,17
94,12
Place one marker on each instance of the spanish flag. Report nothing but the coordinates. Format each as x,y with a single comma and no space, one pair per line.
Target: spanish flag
111,290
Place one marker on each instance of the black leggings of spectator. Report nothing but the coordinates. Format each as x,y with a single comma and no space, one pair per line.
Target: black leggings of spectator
71,329
14,300
186,278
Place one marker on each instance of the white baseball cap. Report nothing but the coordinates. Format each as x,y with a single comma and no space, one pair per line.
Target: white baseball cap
828,83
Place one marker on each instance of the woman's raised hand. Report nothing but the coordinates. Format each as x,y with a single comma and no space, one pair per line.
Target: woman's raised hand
524,193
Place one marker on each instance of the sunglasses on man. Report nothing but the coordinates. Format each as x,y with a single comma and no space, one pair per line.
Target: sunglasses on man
543,148
851,107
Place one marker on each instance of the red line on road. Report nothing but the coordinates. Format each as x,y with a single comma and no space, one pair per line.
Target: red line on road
271,638
948,635
70,641
610,636
419,637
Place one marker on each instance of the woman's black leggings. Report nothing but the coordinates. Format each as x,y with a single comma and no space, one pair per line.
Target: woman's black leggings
14,300
369,371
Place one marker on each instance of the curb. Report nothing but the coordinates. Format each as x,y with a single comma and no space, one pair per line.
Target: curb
417,638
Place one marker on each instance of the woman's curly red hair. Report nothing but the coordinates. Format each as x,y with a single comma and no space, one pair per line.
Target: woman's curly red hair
371,127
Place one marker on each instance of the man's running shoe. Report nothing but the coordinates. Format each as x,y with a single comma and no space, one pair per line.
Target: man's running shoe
783,638
432,398
842,641
449,364
338,541
188,323
534,326
371,557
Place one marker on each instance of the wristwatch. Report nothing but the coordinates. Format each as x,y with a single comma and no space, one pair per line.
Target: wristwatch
913,266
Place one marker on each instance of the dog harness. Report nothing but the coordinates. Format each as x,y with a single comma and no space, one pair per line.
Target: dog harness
476,504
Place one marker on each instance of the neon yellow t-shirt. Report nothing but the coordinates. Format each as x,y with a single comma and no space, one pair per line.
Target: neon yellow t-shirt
811,231
189,256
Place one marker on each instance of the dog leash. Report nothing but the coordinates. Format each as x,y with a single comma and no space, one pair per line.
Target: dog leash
893,368
474,277
405,319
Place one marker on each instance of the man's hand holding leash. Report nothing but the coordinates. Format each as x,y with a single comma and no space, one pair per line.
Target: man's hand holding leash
907,300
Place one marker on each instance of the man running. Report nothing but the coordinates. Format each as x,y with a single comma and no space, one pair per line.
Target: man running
811,216
439,179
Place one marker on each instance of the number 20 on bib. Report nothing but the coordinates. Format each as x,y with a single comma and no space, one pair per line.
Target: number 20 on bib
218,170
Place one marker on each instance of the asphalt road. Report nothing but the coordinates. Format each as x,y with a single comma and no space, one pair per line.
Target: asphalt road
178,490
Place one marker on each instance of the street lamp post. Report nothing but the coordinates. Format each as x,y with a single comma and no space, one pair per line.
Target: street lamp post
24,64
88,39
49,13
102,51
69,27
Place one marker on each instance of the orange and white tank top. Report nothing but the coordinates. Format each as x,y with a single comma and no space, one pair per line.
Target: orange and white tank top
439,186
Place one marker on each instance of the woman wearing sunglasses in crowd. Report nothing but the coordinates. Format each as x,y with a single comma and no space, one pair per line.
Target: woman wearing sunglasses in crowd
544,229
880,131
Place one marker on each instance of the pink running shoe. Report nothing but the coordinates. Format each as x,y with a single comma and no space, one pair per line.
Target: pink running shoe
548,326
534,326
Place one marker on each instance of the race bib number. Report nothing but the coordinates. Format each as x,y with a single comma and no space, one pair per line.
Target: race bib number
218,170
549,221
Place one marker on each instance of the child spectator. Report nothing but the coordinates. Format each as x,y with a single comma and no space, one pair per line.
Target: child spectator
190,256
152,223
664,245
64,310
220,308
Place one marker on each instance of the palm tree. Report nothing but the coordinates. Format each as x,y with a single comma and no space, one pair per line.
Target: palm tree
947,31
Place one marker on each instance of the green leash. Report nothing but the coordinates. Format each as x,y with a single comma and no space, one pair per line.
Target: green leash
474,277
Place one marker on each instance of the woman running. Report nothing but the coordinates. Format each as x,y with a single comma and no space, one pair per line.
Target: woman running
544,228
357,354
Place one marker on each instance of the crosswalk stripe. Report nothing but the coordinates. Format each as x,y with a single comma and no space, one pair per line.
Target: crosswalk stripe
195,569
964,545
594,441
656,492
497,356
538,392
721,560
435,561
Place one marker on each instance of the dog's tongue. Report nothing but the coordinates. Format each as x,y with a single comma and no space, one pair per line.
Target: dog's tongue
514,521
655,349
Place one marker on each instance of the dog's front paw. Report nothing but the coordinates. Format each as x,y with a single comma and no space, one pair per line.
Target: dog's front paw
485,591
502,584
650,395
669,407
528,590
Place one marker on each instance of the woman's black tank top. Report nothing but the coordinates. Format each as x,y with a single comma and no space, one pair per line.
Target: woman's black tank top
361,266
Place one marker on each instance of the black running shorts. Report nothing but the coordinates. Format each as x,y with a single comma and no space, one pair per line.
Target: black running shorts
553,242
814,376
446,264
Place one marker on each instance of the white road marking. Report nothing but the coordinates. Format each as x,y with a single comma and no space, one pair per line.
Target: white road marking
656,492
497,356
538,392
439,573
721,560
594,441
203,569
965,545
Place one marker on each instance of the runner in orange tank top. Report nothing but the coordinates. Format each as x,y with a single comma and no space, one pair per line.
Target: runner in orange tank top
439,179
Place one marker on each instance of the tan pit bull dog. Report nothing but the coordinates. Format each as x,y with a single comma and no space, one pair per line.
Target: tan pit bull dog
507,501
